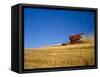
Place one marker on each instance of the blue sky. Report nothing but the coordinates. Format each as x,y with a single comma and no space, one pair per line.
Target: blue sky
43,27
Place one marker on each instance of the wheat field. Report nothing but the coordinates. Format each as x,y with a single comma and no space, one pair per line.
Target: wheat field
81,54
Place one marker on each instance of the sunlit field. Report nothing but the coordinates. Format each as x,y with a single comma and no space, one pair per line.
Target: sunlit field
81,54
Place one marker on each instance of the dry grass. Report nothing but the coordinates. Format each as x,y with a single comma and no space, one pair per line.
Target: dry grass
60,56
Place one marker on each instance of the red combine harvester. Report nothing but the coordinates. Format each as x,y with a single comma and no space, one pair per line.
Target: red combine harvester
75,38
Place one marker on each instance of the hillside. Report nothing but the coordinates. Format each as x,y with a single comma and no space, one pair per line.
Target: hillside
81,54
